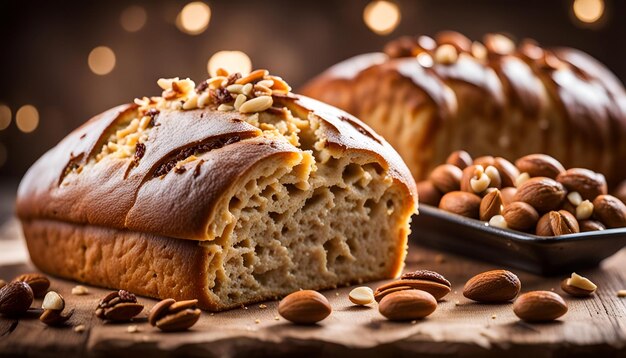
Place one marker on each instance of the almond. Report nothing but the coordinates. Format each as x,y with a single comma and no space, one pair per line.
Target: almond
461,203
539,306
485,161
610,211
539,165
508,171
490,205
507,195
304,307
461,159
520,216
544,194
557,223
492,286
427,193
587,183
407,305
446,178
590,225
38,283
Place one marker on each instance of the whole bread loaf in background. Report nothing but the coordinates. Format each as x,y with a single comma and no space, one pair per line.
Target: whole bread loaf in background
431,96
230,192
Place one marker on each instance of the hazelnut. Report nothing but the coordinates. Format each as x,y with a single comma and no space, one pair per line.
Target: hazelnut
446,178
508,171
508,194
590,225
461,159
587,183
461,203
490,205
610,211
557,223
427,193
540,165
543,193
520,215
15,298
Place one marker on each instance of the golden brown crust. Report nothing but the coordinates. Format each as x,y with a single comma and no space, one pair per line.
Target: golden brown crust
507,99
124,195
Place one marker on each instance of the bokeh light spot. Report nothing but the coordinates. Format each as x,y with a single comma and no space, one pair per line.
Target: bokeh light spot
27,118
101,60
194,18
133,18
381,16
231,61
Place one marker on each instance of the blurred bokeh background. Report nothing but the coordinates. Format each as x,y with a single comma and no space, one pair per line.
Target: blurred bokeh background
65,61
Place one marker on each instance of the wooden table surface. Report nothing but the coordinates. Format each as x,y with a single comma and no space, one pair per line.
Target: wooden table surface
459,327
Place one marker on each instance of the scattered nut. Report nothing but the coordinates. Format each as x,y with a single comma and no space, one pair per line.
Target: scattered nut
540,165
171,316
2,283
539,306
118,306
407,305
461,159
80,328
590,225
490,205
544,194
492,286
621,293
425,280
446,178
461,203
55,317
133,329
578,286
610,211
520,215
427,193
361,295
304,307
556,223
15,298
80,290
53,301
587,183
37,282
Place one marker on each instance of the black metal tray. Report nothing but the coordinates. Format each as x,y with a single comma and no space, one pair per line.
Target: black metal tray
546,256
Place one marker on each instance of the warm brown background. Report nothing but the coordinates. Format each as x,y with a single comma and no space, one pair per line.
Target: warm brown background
45,44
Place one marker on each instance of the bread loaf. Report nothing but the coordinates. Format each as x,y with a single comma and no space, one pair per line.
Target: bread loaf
429,97
229,192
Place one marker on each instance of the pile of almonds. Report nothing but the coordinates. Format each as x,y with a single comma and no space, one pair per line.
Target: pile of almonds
535,195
